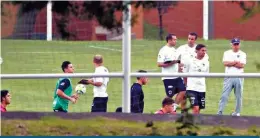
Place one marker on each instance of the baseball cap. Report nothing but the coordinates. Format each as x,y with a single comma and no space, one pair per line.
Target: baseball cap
235,41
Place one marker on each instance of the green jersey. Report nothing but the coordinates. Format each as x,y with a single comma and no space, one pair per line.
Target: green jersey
61,104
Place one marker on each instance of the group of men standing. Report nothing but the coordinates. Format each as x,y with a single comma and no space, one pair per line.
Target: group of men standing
188,58
193,58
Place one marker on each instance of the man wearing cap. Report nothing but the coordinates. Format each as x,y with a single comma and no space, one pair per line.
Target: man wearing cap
234,61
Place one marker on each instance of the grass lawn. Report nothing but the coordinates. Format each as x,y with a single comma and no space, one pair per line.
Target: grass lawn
52,126
30,56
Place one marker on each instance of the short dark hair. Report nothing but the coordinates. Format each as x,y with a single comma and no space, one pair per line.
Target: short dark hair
169,37
119,110
199,46
64,65
140,71
98,59
3,94
194,34
167,101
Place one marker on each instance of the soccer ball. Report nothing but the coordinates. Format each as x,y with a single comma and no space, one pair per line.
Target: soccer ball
80,89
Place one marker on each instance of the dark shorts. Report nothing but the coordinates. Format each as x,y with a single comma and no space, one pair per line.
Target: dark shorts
173,86
196,98
99,104
60,110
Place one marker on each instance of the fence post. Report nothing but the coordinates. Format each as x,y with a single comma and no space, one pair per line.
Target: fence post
126,55
205,19
49,21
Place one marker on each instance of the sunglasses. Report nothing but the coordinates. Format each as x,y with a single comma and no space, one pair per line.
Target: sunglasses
236,44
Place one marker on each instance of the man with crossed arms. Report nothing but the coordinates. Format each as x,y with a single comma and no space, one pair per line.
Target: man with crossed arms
234,61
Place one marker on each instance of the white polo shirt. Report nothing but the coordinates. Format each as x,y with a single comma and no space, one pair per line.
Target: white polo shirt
195,65
168,53
230,55
101,91
186,53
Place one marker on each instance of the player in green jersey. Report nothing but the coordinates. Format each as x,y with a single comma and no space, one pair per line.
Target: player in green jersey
63,91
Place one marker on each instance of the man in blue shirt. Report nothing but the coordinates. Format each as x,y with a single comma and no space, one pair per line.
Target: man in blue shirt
137,95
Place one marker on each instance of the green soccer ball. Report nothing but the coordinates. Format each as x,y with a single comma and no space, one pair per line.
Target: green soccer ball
80,89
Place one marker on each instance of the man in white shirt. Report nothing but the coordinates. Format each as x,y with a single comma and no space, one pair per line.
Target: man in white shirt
196,86
168,61
188,51
234,61
100,86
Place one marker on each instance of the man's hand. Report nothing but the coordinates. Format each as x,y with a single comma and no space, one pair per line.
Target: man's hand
230,63
239,65
73,100
90,81
181,67
84,81
76,96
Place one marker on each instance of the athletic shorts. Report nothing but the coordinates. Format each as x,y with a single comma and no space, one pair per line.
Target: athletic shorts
173,86
196,98
60,110
99,104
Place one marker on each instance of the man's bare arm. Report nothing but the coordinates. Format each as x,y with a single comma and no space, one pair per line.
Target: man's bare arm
64,96
95,83
239,65
163,64
229,63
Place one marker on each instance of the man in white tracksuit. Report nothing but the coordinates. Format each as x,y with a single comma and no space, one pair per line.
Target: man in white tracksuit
234,61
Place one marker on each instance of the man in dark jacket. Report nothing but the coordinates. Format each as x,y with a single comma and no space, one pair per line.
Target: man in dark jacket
137,95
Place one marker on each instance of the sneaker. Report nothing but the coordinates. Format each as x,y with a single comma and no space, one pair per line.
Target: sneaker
235,114
175,106
219,113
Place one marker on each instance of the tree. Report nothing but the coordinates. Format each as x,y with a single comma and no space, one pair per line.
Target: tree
250,8
162,7
102,11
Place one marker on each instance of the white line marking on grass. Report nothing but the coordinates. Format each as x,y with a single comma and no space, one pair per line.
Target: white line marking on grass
152,70
105,48
75,69
39,52
32,69
51,70
149,70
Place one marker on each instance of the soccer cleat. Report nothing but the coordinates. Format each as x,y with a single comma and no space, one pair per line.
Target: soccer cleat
235,114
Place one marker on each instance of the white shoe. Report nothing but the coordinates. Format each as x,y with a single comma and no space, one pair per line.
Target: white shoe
235,114
175,106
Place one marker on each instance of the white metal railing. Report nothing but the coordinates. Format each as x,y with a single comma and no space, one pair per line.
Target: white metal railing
121,75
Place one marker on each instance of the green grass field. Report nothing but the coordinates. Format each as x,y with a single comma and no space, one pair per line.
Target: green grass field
100,126
21,56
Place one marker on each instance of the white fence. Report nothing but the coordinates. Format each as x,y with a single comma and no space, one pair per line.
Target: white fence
127,78
121,75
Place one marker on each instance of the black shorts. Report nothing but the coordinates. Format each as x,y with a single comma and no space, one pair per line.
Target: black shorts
99,104
60,110
196,98
173,86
